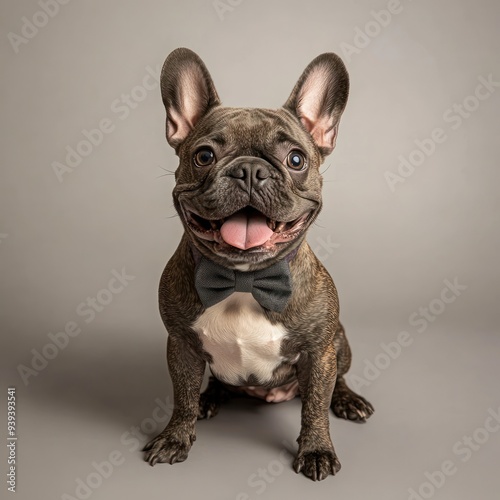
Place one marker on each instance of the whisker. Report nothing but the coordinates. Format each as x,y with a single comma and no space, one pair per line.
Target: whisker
329,165
316,223
168,172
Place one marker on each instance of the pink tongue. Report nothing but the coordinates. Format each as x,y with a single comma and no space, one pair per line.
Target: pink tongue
244,231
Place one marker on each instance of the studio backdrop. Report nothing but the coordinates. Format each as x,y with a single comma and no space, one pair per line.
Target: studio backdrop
409,232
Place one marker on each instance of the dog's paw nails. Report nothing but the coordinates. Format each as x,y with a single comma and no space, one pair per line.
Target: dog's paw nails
298,464
351,406
317,465
164,449
209,407
147,446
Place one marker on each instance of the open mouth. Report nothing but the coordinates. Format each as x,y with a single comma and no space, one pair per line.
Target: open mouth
245,229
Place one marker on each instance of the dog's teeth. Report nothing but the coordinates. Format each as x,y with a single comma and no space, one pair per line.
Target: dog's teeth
280,226
214,225
271,224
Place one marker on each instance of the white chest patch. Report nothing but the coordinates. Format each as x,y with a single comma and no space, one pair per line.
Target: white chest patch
240,339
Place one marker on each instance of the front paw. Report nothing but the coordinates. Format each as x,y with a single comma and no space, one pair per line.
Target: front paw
317,465
167,448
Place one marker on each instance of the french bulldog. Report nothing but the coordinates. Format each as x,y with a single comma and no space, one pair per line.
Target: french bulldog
244,292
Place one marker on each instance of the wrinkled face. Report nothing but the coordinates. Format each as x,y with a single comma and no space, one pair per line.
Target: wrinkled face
248,184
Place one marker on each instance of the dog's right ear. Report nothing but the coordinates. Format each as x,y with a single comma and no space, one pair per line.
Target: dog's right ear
319,98
188,93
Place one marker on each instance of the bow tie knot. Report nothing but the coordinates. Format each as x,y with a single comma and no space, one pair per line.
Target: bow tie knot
243,282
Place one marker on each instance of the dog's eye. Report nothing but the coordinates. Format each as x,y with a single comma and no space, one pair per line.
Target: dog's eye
204,157
295,160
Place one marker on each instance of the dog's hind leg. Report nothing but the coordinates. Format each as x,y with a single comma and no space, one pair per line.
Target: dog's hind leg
212,398
345,402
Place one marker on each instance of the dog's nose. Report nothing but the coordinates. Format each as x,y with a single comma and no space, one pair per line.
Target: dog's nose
250,175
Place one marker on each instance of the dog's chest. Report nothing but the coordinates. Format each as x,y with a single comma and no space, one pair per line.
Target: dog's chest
240,339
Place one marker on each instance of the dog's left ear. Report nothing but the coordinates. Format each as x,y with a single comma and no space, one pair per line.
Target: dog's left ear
319,98
188,93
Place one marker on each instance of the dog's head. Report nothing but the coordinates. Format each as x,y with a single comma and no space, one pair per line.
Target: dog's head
248,184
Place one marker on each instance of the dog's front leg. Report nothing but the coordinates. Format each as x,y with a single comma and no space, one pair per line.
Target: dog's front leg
186,369
316,371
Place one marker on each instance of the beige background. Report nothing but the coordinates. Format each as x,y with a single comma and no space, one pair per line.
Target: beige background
389,252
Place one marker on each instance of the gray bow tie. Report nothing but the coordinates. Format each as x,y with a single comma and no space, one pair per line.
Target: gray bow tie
271,287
